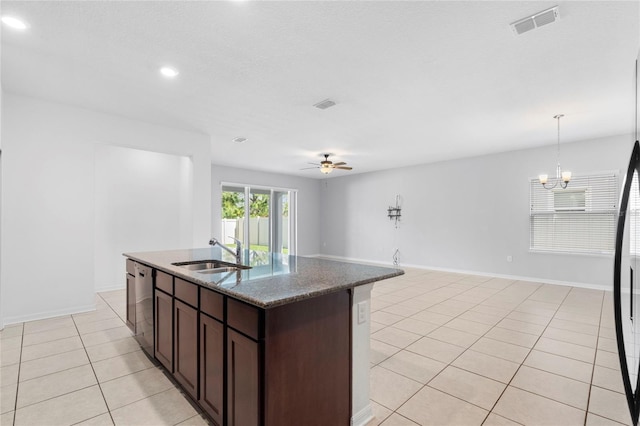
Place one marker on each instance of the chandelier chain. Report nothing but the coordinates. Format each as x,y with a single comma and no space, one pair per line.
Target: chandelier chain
558,117
562,178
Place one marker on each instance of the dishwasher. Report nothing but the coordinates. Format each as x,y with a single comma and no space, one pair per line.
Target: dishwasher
144,306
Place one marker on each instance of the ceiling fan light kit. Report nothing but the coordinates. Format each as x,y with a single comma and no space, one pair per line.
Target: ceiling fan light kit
326,166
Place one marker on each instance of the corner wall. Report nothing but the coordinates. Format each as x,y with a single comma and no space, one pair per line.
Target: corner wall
309,207
464,215
48,203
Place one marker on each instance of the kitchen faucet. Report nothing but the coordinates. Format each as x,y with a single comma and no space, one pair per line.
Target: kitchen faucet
237,253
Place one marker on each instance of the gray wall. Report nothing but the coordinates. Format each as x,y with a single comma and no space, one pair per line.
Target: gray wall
465,215
308,201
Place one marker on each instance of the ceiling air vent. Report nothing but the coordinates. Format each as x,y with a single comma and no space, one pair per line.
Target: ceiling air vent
534,21
327,103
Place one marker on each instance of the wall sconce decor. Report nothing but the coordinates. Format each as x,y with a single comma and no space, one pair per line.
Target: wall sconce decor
394,213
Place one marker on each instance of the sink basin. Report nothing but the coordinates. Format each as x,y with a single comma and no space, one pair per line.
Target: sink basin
221,270
199,266
210,266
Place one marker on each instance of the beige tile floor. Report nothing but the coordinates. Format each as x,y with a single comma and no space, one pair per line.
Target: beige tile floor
85,369
446,349
453,349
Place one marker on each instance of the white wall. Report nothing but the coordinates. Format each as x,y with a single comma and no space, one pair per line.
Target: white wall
48,219
1,94
309,208
465,215
141,198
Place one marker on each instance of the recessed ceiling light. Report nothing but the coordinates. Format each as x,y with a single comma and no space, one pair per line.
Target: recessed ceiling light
14,22
239,139
169,72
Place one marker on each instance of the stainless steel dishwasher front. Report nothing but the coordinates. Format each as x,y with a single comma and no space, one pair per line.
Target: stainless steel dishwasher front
144,307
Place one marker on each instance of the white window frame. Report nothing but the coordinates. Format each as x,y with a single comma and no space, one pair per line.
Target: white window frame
588,230
293,213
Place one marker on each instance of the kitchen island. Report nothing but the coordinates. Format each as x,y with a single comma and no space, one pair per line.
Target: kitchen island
282,340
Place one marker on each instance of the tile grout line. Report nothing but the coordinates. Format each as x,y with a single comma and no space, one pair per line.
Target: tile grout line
15,402
422,385
91,364
557,309
548,325
469,348
527,356
401,349
174,384
595,356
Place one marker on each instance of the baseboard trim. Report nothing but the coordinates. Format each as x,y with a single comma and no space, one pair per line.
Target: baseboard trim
482,274
49,314
362,417
110,288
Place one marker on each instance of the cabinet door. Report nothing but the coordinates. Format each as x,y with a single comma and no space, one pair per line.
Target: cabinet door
243,381
185,323
211,367
164,329
131,303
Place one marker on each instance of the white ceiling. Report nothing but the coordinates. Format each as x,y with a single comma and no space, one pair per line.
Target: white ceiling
414,82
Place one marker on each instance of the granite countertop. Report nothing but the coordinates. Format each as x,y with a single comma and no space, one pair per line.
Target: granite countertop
273,279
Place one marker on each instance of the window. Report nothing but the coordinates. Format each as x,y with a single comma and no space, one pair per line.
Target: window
570,200
271,226
579,219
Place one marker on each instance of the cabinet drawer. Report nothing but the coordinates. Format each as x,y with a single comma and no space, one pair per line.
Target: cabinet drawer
130,269
187,292
244,318
164,282
212,303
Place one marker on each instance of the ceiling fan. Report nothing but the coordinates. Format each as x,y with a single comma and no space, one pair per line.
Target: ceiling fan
327,166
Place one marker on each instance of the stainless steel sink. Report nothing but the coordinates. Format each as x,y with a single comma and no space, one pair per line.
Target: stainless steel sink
221,270
199,266
210,266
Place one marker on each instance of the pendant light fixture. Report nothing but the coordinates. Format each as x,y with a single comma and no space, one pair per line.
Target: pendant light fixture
562,178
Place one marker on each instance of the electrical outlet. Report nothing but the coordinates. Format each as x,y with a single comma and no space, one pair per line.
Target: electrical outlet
362,312
509,258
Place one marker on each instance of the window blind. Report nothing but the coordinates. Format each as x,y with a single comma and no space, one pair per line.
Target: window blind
578,219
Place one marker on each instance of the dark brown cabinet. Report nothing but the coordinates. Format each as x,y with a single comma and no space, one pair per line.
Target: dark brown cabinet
243,380
185,322
307,367
212,368
164,329
247,366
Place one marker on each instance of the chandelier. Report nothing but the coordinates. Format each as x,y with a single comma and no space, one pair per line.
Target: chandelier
562,178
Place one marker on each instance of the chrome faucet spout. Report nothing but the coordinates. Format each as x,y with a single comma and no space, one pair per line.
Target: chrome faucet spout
237,253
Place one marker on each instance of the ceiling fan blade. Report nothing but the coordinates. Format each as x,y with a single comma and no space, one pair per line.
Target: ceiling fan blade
344,168
309,168
342,163
315,164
